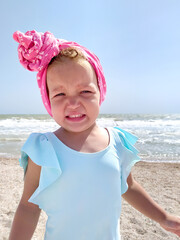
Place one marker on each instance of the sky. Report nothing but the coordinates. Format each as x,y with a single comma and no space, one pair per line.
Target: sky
137,42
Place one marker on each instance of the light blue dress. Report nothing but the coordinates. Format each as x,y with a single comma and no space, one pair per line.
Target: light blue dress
81,192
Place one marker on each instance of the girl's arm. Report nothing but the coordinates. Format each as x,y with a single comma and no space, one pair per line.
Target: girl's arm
139,199
27,214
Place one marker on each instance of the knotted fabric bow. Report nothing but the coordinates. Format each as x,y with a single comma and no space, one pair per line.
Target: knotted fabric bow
36,50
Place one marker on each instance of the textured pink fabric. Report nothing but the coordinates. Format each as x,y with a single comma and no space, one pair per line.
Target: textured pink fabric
36,50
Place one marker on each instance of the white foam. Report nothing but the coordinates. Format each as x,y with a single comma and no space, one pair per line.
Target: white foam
158,134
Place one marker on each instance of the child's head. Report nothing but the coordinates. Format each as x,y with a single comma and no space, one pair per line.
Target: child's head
73,90
36,52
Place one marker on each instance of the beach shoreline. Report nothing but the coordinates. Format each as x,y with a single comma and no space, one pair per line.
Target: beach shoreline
160,180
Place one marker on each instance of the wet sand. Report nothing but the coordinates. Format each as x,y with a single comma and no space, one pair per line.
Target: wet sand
161,181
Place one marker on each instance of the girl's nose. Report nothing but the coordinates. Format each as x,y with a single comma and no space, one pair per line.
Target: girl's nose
73,102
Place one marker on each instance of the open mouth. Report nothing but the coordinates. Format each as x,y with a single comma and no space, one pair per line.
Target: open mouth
76,117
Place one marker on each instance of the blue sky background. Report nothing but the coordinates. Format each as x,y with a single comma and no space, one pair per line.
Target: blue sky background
137,41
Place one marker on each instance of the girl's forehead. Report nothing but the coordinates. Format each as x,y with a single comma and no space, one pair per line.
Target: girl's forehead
81,71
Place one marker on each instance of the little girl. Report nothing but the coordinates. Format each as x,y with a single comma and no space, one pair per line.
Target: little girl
78,173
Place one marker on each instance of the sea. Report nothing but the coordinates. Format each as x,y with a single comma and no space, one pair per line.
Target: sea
158,135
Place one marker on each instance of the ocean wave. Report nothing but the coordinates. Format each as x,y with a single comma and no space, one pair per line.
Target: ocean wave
159,135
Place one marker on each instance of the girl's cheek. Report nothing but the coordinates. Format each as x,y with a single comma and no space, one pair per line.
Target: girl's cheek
55,104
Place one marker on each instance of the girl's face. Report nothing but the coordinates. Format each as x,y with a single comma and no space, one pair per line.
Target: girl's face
74,94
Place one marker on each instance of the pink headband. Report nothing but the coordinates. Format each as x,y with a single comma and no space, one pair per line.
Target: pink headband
36,50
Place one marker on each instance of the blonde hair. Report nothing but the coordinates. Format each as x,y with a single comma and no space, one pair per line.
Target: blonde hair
71,53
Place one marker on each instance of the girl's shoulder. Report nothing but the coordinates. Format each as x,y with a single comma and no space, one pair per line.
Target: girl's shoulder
35,137
124,135
39,148
34,147
37,142
127,153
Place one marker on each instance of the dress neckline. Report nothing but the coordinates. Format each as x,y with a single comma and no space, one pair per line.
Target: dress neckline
58,141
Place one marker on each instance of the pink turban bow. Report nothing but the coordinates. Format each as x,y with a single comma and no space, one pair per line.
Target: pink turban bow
36,50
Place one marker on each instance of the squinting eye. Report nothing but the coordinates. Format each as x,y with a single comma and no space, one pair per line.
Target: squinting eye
59,94
85,91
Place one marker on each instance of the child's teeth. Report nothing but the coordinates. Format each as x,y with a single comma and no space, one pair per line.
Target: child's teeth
74,116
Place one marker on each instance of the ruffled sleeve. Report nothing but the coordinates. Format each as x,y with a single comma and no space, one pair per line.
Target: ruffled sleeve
41,151
128,155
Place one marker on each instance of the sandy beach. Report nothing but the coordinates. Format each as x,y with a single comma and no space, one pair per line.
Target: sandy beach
161,181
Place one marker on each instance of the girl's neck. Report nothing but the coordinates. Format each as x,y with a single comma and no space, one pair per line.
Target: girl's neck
62,133
92,139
